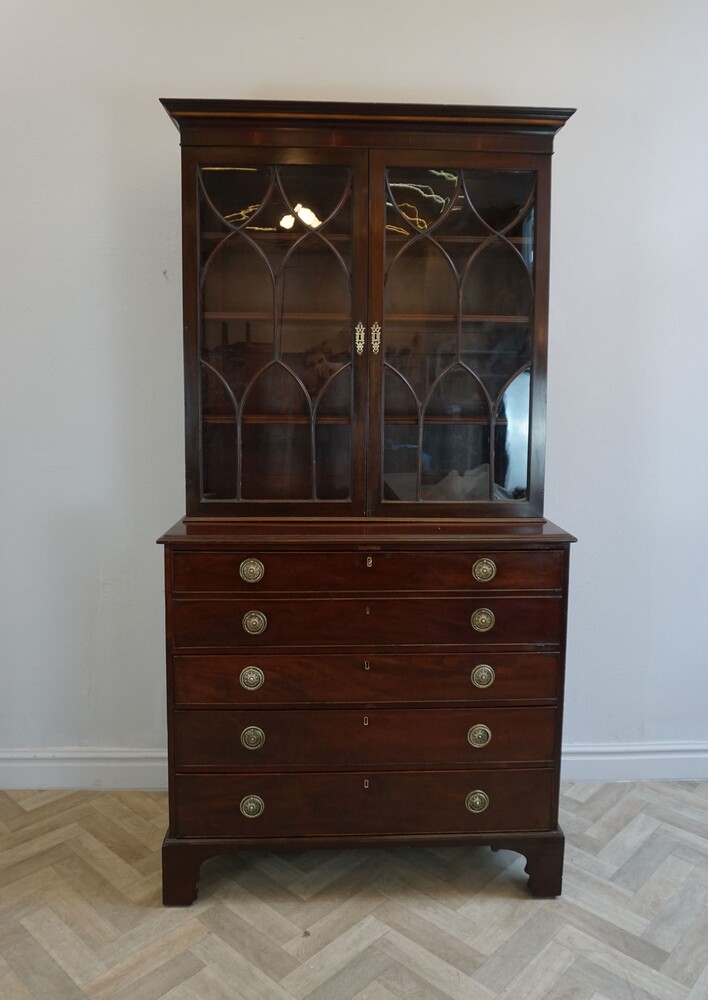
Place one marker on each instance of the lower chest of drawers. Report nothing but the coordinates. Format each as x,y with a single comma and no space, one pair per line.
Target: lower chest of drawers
384,707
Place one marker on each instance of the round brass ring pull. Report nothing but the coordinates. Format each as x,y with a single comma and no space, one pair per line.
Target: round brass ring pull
251,570
254,622
252,738
482,620
477,801
484,570
251,678
483,675
252,806
479,735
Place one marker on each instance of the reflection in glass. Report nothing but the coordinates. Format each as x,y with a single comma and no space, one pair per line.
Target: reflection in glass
511,446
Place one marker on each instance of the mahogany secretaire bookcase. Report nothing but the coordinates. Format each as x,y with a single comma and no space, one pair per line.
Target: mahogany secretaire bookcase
366,608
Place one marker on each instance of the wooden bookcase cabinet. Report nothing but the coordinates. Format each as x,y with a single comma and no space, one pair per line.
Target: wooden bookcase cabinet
365,606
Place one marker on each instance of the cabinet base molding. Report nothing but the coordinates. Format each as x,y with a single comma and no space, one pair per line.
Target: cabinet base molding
182,859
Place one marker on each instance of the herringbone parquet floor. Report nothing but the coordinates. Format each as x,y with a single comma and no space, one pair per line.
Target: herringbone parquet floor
80,912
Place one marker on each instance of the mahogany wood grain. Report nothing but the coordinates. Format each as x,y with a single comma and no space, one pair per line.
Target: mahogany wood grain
218,572
341,678
337,803
365,737
302,621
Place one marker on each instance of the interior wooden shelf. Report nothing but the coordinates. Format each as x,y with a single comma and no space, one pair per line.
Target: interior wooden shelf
283,418
271,418
327,317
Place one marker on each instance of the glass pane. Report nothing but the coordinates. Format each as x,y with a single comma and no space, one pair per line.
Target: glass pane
219,460
456,440
237,279
316,194
511,440
333,437
497,283
276,461
499,196
494,351
418,198
315,308
400,454
232,195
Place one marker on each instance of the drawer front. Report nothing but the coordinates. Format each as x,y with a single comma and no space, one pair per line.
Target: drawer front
253,680
417,802
253,572
359,622
344,738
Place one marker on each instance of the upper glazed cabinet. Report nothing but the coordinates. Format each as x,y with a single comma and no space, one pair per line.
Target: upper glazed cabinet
365,296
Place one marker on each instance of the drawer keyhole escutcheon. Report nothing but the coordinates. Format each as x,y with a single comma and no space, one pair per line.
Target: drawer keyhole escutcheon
484,570
251,678
479,736
482,620
252,738
366,782
367,665
483,675
252,806
369,562
254,622
477,801
251,570
366,720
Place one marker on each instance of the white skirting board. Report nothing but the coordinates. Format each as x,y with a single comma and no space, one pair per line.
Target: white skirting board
119,767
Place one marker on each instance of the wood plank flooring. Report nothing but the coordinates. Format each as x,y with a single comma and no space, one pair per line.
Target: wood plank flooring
80,911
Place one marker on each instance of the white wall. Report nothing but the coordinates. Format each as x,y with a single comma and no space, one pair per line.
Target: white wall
91,388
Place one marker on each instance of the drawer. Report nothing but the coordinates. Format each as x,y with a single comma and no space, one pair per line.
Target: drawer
410,802
364,622
253,571
335,738
250,680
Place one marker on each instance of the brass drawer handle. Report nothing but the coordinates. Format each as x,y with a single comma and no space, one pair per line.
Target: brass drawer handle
483,675
251,570
252,806
484,570
252,738
482,620
254,622
251,678
477,801
479,736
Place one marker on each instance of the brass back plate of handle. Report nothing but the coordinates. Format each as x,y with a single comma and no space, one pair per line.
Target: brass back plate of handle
482,620
477,801
254,622
484,570
483,676
251,570
251,806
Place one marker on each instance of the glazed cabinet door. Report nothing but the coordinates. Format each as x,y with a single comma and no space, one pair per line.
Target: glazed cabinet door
275,308
458,313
